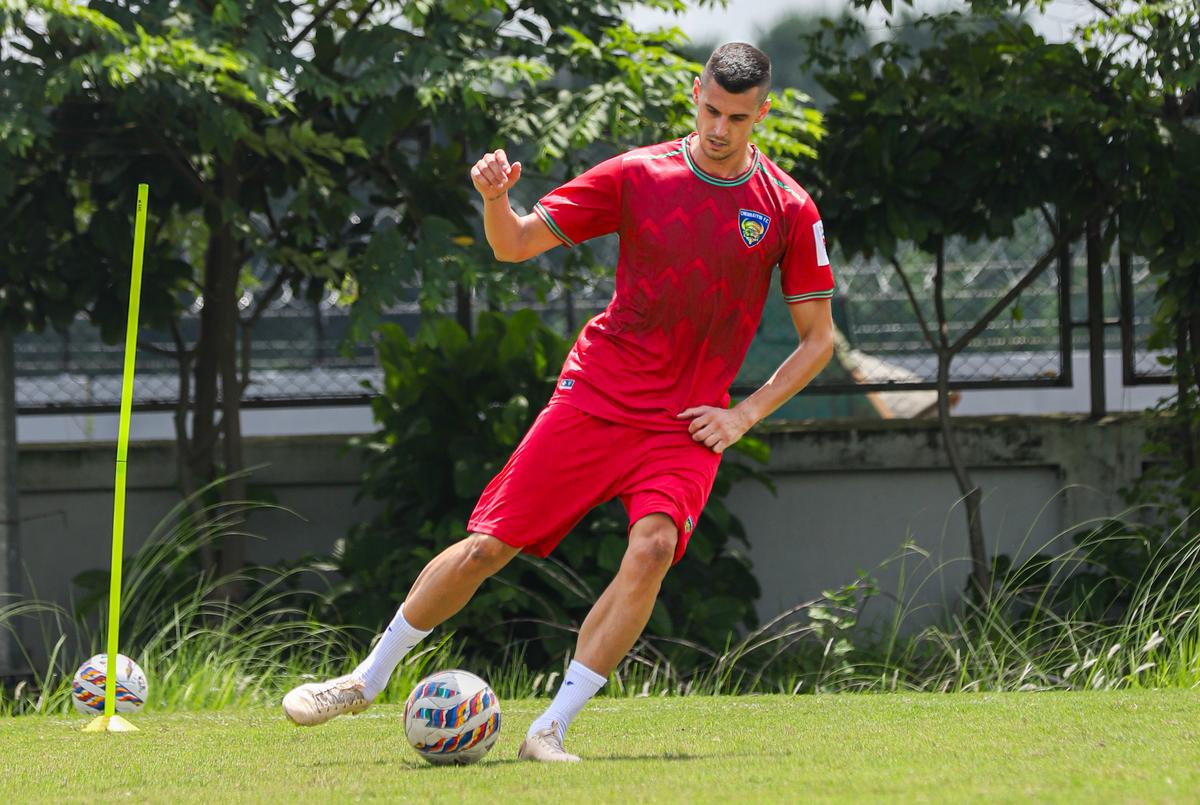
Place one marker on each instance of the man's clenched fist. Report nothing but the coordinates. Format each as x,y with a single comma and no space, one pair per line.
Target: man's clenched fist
493,176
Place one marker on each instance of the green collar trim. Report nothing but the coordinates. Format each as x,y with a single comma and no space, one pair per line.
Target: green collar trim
716,180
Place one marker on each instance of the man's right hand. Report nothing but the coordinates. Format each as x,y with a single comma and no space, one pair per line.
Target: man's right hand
493,176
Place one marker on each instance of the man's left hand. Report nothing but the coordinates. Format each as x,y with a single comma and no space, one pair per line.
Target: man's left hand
716,428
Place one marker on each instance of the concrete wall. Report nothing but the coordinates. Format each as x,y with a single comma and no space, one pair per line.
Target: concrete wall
849,494
66,494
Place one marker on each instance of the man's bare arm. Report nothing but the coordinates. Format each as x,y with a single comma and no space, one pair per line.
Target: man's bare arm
513,237
718,428
814,325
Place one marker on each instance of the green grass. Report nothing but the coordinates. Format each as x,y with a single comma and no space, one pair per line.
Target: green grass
1068,747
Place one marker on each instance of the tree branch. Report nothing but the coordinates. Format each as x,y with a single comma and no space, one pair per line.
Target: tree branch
358,21
15,206
247,354
280,279
1049,218
317,19
266,200
939,296
185,168
156,349
912,300
1045,260
1103,9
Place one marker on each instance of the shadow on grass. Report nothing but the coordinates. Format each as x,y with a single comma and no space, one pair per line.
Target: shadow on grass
620,758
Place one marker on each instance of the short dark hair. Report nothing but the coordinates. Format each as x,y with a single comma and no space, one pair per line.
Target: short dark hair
738,67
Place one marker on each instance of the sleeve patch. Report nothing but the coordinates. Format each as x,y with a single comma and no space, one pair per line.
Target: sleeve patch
819,240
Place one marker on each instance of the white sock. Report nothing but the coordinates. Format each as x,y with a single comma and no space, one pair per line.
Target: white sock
578,686
396,641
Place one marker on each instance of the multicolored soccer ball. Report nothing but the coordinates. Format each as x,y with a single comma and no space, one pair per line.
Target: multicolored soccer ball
87,689
452,718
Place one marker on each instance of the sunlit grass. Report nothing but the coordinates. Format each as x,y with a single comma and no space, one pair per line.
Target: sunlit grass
1095,746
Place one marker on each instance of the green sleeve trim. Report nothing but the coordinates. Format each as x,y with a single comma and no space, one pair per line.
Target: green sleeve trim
806,297
558,233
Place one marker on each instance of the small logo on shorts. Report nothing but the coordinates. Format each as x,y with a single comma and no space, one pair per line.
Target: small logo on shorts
688,526
566,384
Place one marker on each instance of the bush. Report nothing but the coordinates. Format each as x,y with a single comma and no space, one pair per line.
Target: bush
452,409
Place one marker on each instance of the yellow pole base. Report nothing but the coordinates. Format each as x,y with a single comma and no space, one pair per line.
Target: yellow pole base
109,724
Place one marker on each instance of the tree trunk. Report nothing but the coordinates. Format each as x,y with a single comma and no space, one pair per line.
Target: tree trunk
217,367
1191,324
1184,388
10,522
183,444
1095,316
972,495
201,450
233,544
462,307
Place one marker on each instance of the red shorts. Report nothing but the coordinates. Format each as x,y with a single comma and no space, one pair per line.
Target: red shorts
570,462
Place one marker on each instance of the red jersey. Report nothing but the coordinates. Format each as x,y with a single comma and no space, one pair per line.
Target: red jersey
697,254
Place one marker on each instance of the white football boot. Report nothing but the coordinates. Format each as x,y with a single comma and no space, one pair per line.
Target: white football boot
317,702
545,746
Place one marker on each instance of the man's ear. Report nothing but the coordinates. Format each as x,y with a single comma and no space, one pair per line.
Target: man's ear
696,90
762,110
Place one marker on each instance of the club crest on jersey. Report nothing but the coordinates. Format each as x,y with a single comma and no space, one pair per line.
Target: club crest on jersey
753,226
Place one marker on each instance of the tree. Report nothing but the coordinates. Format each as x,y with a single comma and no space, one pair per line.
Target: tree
1158,48
784,40
303,144
964,138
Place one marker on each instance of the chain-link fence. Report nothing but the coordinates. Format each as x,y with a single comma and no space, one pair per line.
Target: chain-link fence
1138,290
299,353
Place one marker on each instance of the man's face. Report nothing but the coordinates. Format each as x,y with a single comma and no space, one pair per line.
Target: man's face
724,120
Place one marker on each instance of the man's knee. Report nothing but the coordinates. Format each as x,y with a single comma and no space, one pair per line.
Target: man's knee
652,542
486,554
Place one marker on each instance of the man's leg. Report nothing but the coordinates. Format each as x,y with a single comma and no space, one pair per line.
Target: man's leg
443,588
619,617
609,631
451,578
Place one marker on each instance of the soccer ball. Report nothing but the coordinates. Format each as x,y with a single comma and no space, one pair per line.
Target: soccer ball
452,718
87,689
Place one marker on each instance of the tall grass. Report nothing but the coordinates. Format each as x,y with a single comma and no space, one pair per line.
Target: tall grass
1114,632
1028,635
199,650
202,651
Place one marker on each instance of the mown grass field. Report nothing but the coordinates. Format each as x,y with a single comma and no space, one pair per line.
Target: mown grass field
1130,746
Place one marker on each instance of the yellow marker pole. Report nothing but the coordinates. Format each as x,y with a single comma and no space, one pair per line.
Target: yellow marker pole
110,721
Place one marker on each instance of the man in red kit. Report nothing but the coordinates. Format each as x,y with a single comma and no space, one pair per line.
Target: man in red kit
641,408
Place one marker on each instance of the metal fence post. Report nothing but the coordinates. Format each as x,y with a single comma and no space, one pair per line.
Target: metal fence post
9,520
1095,317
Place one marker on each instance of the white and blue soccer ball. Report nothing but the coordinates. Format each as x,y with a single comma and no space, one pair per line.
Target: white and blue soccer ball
87,688
452,718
